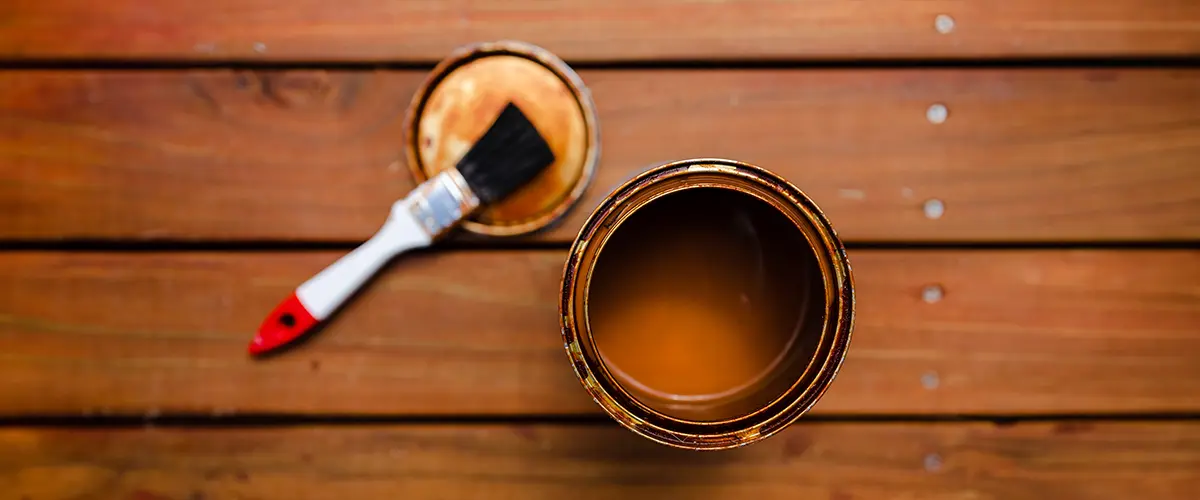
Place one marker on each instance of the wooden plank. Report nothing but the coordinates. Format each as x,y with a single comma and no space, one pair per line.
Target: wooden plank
1025,154
1017,332
596,30
1059,460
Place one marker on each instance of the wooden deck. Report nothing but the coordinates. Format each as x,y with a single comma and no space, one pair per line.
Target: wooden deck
169,170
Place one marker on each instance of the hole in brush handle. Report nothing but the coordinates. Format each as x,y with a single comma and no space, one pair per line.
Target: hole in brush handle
288,321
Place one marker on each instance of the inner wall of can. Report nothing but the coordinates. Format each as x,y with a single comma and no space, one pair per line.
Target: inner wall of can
705,303
822,358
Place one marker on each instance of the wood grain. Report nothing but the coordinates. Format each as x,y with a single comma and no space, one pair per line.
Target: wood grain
470,332
1030,155
1061,460
596,30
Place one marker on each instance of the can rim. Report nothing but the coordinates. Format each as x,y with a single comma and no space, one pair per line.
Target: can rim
469,53
699,435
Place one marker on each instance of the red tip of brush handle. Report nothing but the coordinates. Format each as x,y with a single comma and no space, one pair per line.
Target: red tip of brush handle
288,321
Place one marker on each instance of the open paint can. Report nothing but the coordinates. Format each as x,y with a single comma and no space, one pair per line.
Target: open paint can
707,304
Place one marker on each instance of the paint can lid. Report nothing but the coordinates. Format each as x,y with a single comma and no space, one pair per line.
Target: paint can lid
464,94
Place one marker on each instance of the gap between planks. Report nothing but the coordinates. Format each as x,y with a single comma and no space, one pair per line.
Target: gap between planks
358,420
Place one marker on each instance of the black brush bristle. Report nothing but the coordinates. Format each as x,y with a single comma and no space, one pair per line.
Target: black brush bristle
510,154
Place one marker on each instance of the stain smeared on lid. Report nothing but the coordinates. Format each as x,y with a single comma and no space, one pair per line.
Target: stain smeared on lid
465,93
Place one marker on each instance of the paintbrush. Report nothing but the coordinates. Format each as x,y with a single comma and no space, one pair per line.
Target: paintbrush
509,155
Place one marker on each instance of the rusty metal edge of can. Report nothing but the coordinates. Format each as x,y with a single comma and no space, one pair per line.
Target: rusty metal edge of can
744,430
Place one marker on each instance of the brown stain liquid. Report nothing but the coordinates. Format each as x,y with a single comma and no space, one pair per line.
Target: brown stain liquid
705,304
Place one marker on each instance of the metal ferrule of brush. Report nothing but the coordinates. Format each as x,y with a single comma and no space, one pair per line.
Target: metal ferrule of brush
442,201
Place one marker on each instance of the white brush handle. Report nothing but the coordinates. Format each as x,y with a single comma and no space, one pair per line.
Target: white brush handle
316,299
324,293
430,210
